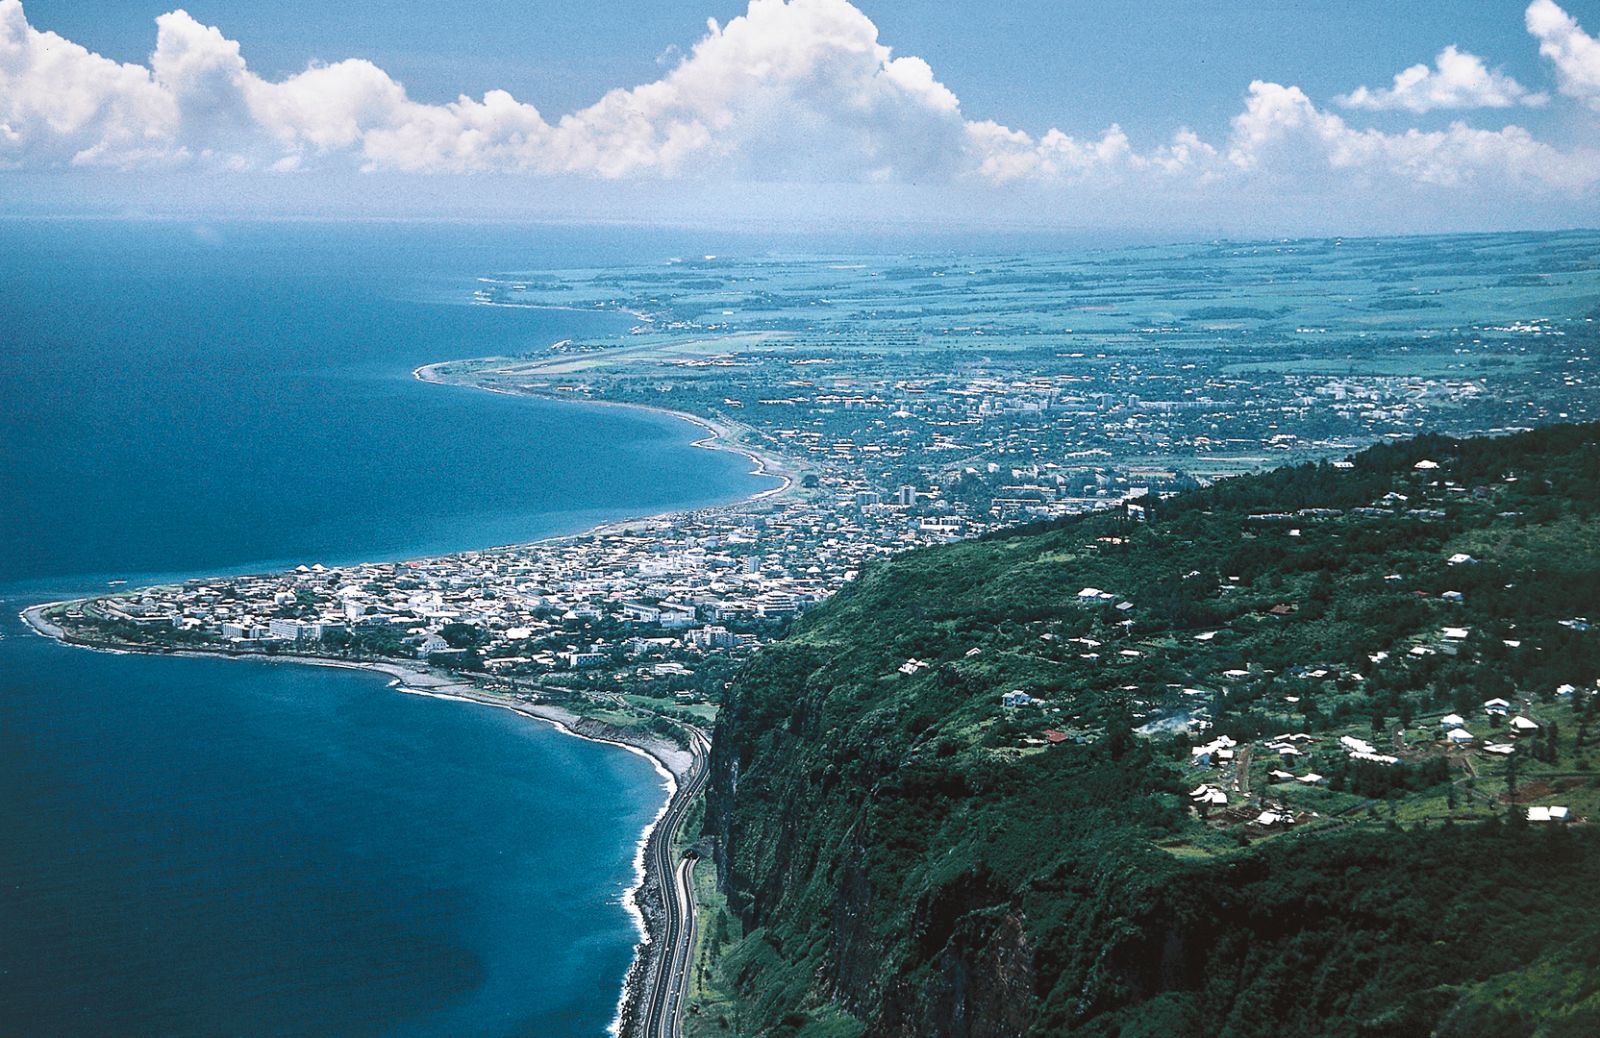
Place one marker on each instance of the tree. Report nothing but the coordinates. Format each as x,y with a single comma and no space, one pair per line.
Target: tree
461,636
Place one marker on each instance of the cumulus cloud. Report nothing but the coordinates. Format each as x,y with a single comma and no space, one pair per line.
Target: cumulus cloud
797,88
1279,122
61,103
1002,155
792,90
1456,80
1575,54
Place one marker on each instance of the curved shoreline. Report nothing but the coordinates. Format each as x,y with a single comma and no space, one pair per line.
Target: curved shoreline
718,437
635,990
670,765
673,767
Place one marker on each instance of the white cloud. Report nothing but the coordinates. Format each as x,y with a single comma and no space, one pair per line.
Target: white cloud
1003,155
802,86
1575,53
1457,80
798,91
59,103
1280,129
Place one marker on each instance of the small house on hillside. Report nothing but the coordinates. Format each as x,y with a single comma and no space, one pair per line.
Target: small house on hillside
1214,752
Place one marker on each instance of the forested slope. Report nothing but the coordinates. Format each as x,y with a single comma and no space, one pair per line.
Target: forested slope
907,856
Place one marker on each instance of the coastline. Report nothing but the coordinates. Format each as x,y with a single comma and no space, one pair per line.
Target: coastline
718,437
644,901
671,763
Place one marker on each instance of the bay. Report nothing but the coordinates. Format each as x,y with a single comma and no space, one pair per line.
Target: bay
205,847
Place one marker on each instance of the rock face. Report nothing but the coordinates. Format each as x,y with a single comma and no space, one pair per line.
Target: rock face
980,987
907,863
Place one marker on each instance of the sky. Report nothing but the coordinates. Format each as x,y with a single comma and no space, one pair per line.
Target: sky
1162,116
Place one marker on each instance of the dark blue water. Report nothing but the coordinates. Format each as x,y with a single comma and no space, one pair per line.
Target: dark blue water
210,847
197,847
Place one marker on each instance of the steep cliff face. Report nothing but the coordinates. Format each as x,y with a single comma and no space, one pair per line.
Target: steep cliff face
979,985
909,858
884,864
967,970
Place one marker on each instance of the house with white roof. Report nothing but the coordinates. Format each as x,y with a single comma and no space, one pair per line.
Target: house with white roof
1214,752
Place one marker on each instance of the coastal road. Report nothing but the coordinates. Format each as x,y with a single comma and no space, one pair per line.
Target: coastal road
666,986
669,984
684,880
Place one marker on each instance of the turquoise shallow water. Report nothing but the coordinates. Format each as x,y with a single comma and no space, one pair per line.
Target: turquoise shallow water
205,847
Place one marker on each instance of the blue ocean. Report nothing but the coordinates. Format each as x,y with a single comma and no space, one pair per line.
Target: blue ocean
214,847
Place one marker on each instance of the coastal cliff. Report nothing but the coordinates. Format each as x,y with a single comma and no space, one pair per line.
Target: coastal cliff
909,856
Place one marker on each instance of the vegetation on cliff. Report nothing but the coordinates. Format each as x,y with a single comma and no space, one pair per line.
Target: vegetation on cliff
1226,801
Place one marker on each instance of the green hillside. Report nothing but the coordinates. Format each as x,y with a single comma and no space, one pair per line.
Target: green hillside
902,854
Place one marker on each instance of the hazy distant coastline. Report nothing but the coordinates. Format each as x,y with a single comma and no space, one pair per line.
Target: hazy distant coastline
719,436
